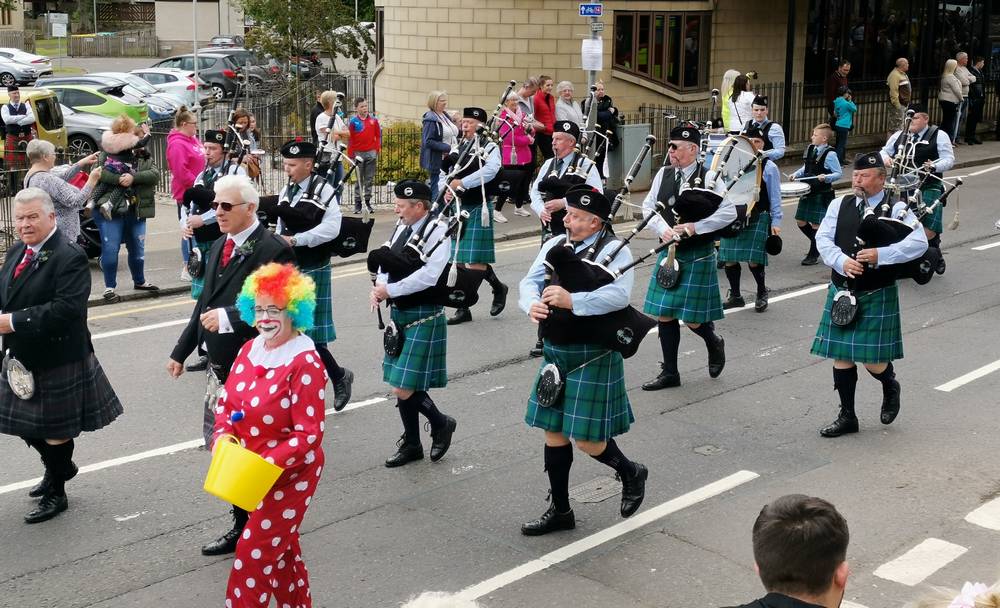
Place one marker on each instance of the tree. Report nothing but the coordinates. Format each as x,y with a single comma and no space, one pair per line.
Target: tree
286,29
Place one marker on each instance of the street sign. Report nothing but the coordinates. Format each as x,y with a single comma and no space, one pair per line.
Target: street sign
597,26
591,10
59,18
58,30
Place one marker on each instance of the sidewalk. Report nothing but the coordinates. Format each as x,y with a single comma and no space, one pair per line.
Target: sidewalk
163,258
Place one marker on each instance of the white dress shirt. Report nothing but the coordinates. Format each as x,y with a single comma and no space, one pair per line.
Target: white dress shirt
225,326
427,275
593,179
329,227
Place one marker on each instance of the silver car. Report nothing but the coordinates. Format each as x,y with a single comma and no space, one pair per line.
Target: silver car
83,132
13,72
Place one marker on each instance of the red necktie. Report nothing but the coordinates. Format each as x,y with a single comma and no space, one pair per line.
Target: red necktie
227,252
29,254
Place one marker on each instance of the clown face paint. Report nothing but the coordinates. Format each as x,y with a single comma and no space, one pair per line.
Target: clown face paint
269,328
271,320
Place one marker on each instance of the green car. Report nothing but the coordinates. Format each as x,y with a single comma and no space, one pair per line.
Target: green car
106,101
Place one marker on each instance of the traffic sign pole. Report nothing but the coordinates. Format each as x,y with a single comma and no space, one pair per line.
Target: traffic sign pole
593,11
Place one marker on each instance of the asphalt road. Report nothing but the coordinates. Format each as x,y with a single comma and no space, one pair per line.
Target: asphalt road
717,450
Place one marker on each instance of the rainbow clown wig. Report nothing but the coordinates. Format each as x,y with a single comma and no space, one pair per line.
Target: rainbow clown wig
289,288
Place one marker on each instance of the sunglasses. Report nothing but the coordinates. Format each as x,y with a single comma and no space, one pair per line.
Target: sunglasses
227,207
672,147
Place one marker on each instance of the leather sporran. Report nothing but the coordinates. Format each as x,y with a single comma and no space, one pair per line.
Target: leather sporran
668,273
550,387
844,309
20,379
196,263
392,339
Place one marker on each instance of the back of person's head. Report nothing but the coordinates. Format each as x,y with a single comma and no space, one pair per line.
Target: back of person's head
122,124
739,85
183,116
728,79
799,542
843,90
437,599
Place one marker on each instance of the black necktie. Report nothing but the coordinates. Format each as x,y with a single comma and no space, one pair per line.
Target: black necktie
400,241
559,167
293,190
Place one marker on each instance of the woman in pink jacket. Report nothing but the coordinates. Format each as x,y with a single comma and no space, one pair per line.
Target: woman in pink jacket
186,160
515,130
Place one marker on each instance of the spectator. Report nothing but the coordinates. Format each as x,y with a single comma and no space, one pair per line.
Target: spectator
517,135
526,97
185,160
566,107
950,98
545,114
365,142
726,90
740,103
67,199
800,548
435,599
437,137
899,94
331,107
977,98
241,122
607,120
972,595
316,111
836,80
966,78
844,109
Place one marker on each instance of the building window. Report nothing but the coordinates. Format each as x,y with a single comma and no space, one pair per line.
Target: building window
667,48
5,17
379,35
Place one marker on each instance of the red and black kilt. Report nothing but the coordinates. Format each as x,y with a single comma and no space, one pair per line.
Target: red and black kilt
68,400
14,155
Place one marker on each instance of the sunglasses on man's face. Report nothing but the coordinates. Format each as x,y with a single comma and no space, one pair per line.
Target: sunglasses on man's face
672,147
227,207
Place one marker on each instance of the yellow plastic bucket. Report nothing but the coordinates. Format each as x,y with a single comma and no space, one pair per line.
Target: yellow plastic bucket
239,476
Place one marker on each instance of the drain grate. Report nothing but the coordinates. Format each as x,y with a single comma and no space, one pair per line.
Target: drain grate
596,490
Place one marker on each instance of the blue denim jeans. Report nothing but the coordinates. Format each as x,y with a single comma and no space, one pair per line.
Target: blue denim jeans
126,229
841,148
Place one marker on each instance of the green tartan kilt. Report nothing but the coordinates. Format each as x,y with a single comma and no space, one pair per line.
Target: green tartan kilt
423,362
748,245
198,284
595,406
876,336
323,331
935,220
696,297
476,245
812,207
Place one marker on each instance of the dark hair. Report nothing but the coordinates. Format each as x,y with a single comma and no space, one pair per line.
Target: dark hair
843,90
358,101
977,59
798,543
844,62
739,85
241,113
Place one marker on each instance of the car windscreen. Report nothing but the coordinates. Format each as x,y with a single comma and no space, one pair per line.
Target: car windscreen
48,114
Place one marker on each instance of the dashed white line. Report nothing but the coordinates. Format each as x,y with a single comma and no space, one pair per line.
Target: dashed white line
987,516
918,563
987,170
975,374
987,246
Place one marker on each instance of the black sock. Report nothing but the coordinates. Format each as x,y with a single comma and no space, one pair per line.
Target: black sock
706,331
410,416
492,278
613,457
60,460
733,273
810,233
758,275
935,242
670,340
43,450
425,405
240,518
558,461
845,381
886,377
333,370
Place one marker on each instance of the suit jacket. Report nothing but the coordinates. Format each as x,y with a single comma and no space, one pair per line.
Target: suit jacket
48,303
222,285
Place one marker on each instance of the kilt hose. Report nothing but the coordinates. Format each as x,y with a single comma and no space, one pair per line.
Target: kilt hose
935,220
422,364
876,335
198,283
695,298
476,244
594,406
812,207
15,157
68,400
748,245
323,331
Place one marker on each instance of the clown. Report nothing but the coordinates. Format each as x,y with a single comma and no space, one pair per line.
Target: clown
273,403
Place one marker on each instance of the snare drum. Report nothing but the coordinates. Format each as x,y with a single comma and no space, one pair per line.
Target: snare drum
736,172
794,189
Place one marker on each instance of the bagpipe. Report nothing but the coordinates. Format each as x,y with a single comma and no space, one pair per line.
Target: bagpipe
621,330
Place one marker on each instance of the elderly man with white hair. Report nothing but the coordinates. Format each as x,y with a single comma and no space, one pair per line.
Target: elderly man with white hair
966,78
215,323
45,175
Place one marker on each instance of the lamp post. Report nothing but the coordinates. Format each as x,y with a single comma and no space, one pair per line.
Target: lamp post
194,48
95,16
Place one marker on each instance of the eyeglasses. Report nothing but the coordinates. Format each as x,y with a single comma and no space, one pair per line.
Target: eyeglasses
227,207
271,312
672,146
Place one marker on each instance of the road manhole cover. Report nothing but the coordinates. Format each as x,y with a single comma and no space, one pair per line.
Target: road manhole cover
596,490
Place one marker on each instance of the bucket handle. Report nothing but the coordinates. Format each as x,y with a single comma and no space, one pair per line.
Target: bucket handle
225,437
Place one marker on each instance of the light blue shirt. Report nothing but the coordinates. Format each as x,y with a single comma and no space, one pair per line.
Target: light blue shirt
772,179
593,179
723,216
831,165
483,175
910,248
777,136
946,153
428,274
329,227
609,298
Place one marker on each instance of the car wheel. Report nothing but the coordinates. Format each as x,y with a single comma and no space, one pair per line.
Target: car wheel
80,146
218,92
7,80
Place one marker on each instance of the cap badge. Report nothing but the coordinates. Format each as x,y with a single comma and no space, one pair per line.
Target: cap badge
585,200
294,149
566,126
408,191
686,134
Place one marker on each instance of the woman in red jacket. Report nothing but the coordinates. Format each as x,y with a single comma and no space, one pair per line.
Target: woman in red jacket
545,113
186,160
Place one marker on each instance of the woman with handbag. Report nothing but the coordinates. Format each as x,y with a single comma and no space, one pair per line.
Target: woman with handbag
68,199
517,137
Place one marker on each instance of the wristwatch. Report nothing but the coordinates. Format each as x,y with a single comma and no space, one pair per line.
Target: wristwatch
293,242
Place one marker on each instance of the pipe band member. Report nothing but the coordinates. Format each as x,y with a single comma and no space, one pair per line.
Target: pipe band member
774,135
821,167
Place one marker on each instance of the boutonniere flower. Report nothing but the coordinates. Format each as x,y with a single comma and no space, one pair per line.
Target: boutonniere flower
245,250
43,256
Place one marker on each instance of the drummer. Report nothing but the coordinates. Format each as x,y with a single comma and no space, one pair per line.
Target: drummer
820,169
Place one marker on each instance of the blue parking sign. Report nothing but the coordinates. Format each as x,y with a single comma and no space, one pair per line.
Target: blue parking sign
591,10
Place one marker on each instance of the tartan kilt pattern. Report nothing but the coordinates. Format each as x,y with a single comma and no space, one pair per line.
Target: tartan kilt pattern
812,207
748,245
68,400
696,297
423,362
935,220
476,245
595,406
13,157
198,283
876,336
323,330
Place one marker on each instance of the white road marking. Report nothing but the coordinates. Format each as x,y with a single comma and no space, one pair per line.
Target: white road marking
847,604
134,330
987,516
975,374
164,451
987,170
918,563
988,246
608,534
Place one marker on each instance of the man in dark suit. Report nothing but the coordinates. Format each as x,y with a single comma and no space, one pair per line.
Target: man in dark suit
215,322
53,386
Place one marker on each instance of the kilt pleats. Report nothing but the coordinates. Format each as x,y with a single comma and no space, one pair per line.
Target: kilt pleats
422,364
876,335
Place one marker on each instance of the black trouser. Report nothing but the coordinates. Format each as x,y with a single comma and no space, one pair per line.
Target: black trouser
949,112
973,119
519,178
544,143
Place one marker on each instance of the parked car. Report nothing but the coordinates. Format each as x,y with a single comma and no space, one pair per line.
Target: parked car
14,72
177,82
106,101
225,41
48,117
218,70
261,75
83,131
161,107
43,63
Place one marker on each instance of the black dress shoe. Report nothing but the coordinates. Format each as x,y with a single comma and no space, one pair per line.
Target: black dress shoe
634,490
760,304
406,453
198,366
550,521
441,439
224,544
716,357
342,390
720,264
890,403
499,300
43,486
462,315
48,507
733,302
942,266
537,350
841,426
665,379
810,260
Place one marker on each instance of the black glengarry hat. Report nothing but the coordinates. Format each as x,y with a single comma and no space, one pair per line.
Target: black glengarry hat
568,127
686,133
473,112
868,160
760,100
585,198
214,137
412,189
298,149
